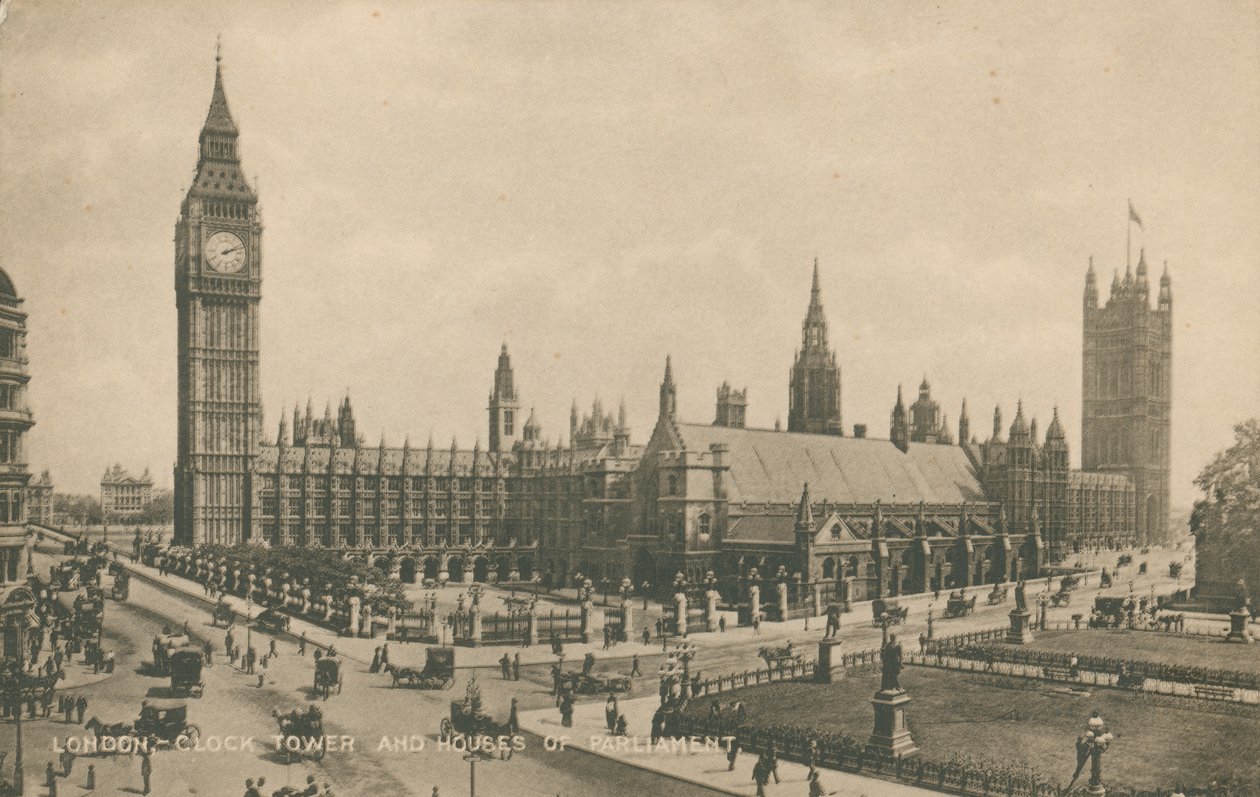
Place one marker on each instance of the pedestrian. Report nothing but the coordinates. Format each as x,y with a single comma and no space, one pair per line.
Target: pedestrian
302,644
732,753
251,657
722,624
376,661
634,666
556,673
756,624
67,763
566,710
250,791
611,710
505,667
91,778
772,763
80,707
815,785
50,776
262,678
760,776
146,770
271,650
384,654
647,637
68,706
516,667
209,654
607,637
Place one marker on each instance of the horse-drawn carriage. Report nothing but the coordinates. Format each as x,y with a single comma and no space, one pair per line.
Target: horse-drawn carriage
438,672
185,667
959,606
1142,569
780,656
271,621
162,722
222,613
1109,612
163,646
301,733
1061,598
1069,582
327,675
1124,559
121,588
888,611
590,684
998,594
470,724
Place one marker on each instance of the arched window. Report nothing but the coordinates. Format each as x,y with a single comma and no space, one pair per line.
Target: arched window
702,526
672,483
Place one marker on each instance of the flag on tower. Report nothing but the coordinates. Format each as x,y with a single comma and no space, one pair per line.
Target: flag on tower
1133,216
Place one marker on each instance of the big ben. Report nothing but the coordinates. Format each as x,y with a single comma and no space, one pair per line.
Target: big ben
218,282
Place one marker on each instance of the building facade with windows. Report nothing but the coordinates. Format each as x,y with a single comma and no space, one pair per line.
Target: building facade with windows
39,500
16,599
123,496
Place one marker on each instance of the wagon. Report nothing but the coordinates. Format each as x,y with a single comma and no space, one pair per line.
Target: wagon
163,646
1061,599
166,721
467,725
185,666
327,675
121,587
958,606
301,733
271,621
438,672
222,613
998,595
888,611
595,684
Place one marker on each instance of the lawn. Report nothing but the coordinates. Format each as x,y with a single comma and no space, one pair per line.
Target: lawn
1160,741
1152,646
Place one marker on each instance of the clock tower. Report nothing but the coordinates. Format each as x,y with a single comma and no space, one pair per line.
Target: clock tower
218,281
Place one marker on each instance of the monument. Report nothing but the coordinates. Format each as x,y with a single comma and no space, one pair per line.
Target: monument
1240,616
891,736
1020,632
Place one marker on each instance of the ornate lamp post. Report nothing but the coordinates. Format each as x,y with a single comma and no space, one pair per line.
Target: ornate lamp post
604,584
646,587
18,690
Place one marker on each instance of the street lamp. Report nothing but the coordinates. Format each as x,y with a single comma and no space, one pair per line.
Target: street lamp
18,690
471,758
604,584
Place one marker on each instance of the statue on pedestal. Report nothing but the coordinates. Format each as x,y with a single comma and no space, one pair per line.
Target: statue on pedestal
1243,596
890,666
1021,597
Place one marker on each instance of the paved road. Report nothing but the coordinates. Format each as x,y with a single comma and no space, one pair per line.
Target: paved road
367,710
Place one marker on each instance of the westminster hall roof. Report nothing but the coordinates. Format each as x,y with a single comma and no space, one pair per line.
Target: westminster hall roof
770,467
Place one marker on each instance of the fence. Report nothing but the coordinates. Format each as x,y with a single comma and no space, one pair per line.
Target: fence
504,627
844,753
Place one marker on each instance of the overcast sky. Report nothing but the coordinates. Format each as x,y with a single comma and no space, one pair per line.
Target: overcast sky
604,183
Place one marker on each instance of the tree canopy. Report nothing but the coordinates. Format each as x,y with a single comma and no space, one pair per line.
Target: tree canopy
1226,520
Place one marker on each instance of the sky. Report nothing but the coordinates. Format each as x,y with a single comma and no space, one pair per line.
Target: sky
602,184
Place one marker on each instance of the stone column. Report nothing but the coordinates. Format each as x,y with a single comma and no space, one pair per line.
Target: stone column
354,615
754,602
368,624
711,610
532,630
817,594
783,601
680,613
627,619
474,626
588,609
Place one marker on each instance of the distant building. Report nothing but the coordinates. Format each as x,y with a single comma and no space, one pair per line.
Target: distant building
123,496
16,599
39,500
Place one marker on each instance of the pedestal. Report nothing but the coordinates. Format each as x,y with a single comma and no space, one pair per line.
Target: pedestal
830,667
1238,626
1020,632
891,736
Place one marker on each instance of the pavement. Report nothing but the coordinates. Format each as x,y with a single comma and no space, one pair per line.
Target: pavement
697,763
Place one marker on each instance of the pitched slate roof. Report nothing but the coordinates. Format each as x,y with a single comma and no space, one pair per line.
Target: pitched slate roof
770,467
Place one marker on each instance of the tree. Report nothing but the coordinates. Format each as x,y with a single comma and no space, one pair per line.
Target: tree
1226,521
160,511
77,509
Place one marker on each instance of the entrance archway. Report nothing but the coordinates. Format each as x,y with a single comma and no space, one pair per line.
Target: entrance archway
455,569
644,568
407,571
431,568
525,564
481,569
381,563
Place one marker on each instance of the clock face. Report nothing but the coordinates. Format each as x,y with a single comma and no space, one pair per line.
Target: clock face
225,252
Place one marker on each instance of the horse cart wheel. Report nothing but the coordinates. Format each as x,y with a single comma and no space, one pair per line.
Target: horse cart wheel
446,730
192,733
339,679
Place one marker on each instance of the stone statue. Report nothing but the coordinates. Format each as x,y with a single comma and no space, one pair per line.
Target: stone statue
890,666
1021,597
1244,598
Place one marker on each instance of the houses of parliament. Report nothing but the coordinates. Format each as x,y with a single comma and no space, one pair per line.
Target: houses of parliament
928,504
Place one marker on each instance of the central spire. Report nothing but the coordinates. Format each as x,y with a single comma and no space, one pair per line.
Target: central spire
814,393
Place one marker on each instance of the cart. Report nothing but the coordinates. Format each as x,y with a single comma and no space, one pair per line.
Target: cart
271,621
998,595
163,645
327,675
185,666
438,672
121,587
222,613
301,733
958,606
465,724
581,684
166,722
888,611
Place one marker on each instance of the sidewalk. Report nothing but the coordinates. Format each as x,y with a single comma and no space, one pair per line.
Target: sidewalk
699,764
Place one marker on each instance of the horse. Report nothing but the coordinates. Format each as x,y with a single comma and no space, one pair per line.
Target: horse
100,729
408,676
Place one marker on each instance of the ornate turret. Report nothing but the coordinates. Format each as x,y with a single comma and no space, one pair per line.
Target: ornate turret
997,424
503,405
669,397
899,428
1091,286
1165,289
814,391
964,425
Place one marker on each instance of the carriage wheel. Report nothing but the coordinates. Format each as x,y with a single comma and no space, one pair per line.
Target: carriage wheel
445,730
192,733
338,685
319,753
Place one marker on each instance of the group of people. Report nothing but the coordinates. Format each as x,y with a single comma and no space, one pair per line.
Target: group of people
510,667
311,789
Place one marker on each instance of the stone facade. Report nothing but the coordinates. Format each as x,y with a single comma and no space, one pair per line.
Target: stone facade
39,500
16,599
123,496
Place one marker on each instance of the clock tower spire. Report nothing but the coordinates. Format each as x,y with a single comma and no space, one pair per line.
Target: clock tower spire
218,282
